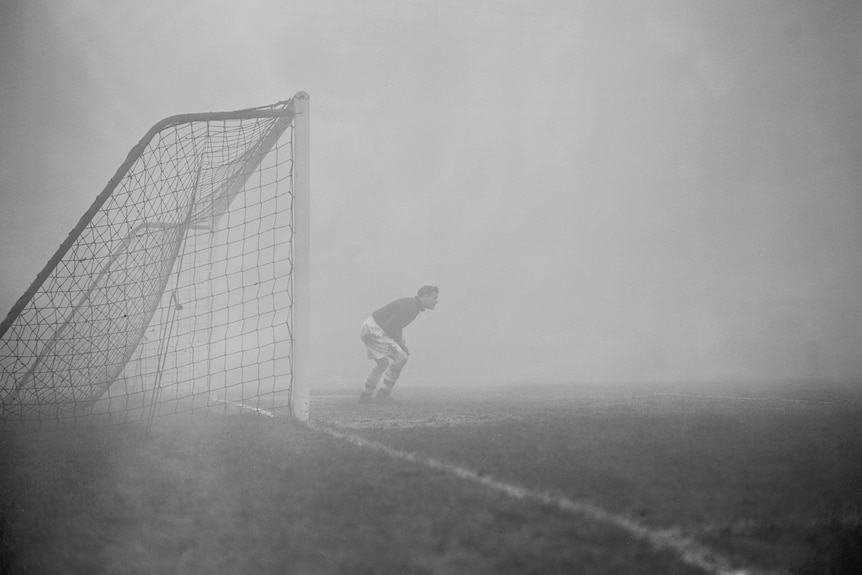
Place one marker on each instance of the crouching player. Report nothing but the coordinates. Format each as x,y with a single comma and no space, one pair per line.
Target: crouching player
383,338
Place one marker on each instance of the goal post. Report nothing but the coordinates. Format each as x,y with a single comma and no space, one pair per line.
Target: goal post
184,286
300,399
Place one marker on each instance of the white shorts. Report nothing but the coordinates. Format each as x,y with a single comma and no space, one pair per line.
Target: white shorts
378,344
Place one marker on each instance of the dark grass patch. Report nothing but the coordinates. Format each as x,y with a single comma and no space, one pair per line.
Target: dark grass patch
836,548
247,494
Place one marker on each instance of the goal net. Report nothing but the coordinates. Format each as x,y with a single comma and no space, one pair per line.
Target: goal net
183,287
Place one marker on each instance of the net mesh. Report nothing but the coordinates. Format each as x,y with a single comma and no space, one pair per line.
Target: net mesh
175,290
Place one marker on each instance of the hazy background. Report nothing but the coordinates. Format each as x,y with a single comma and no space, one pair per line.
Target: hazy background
603,191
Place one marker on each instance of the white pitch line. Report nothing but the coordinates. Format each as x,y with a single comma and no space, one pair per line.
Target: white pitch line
686,548
244,406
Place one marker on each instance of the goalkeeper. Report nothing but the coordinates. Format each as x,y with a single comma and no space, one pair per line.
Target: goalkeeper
381,334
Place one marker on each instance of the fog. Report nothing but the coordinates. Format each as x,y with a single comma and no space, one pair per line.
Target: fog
603,191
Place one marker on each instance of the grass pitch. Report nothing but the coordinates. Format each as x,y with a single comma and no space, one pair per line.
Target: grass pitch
769,480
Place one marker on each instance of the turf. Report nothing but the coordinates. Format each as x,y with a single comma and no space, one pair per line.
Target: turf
772,481
759,486
245,495
769,475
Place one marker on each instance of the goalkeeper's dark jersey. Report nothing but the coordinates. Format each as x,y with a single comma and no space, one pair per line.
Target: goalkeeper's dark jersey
395,316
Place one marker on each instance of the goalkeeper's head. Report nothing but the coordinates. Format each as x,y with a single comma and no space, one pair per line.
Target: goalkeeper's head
428,296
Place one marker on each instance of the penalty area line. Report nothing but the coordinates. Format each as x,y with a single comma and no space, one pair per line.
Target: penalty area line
686,548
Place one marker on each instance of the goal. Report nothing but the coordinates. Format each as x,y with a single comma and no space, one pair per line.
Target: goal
183,287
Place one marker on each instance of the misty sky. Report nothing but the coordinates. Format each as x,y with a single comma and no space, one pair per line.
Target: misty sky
603,191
